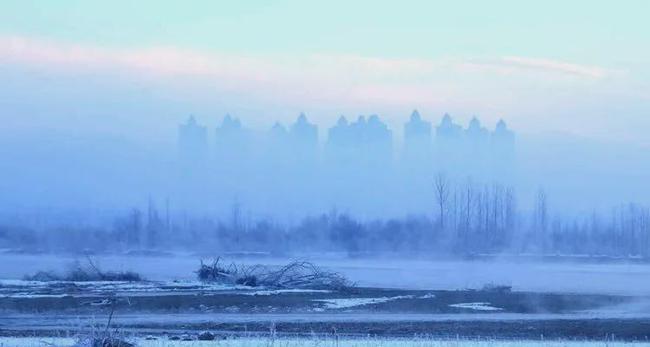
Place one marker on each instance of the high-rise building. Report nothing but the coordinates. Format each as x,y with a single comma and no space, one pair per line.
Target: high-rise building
503,139
378,141
233,147
192,141
339,135
417,138
448,143
303,133
230,130
475,149
448,130
476,134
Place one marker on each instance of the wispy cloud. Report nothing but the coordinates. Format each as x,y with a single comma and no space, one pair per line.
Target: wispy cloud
512,64
318,77
556,66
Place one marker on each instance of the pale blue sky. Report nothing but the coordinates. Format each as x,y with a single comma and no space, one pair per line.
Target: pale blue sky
590,32
559,66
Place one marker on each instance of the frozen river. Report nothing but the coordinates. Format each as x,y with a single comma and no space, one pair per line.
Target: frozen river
619,278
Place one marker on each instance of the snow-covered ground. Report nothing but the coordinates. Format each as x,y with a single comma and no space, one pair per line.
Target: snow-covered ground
325,342
621,278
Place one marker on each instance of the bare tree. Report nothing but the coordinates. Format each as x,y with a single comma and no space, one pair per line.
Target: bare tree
466,211
442,190
134,227
510,210
541,217
498,193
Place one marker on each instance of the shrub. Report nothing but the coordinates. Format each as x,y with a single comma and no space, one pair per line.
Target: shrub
90,272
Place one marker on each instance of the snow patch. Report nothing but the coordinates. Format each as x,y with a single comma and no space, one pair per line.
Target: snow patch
281,291
353,302
34,289
34,296
477,306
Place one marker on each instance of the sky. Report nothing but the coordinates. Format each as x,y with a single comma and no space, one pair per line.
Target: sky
135,68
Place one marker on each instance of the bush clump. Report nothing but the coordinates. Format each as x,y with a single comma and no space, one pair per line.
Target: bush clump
295,275
496,288
80,273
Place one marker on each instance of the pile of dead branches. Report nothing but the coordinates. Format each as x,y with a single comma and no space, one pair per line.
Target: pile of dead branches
295,275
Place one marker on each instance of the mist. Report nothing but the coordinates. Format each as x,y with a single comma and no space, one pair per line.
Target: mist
356,185
381,170
172,135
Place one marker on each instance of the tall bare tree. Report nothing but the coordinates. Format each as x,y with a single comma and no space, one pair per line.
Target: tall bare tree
541,218
442,191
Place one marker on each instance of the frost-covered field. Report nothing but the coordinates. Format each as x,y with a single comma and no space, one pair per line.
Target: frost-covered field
329,342
623,278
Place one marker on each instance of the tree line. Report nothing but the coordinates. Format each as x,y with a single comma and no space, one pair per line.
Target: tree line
467,218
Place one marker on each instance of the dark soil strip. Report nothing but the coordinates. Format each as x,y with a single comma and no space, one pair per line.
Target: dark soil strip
589,329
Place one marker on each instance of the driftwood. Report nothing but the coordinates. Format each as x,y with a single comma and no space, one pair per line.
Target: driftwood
295,275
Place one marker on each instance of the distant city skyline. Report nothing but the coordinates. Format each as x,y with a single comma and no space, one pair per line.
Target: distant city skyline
413,126
293,169
579,68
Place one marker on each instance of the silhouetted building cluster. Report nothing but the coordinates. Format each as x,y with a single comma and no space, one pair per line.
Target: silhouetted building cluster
360,156
192,140
364,140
